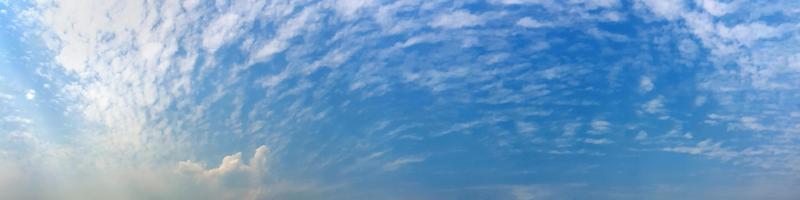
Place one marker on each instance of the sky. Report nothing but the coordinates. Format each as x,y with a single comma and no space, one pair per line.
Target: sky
405,99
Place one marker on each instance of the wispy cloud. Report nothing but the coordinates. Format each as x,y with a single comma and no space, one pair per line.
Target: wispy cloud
401,162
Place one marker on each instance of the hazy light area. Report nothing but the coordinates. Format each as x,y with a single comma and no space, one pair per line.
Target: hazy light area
399,99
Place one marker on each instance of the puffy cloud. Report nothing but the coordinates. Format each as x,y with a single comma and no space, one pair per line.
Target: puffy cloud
655,105
233,179
30,94
645,84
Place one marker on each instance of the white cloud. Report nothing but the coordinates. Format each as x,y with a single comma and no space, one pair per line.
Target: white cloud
221,31
645,84
526,127
715,7
641,135
706,147
748,34
751,123
669,9
273,80
656,105
17,120
603,34
700,100
419,39
30,94
121,80
689,150
459,127
570,129
594,4
127,81
529,22
600,125
530,192
232,170
73,177
597,141
288,30
688,47
349,8
512,2
401,162
457,19
554,72
6,96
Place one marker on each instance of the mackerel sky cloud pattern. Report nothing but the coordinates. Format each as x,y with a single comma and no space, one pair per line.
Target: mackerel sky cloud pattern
370,99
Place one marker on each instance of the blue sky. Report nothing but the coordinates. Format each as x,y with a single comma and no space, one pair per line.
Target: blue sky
367,99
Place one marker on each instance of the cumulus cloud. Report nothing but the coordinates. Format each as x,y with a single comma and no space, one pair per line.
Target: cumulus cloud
30,94
233,179
645,84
